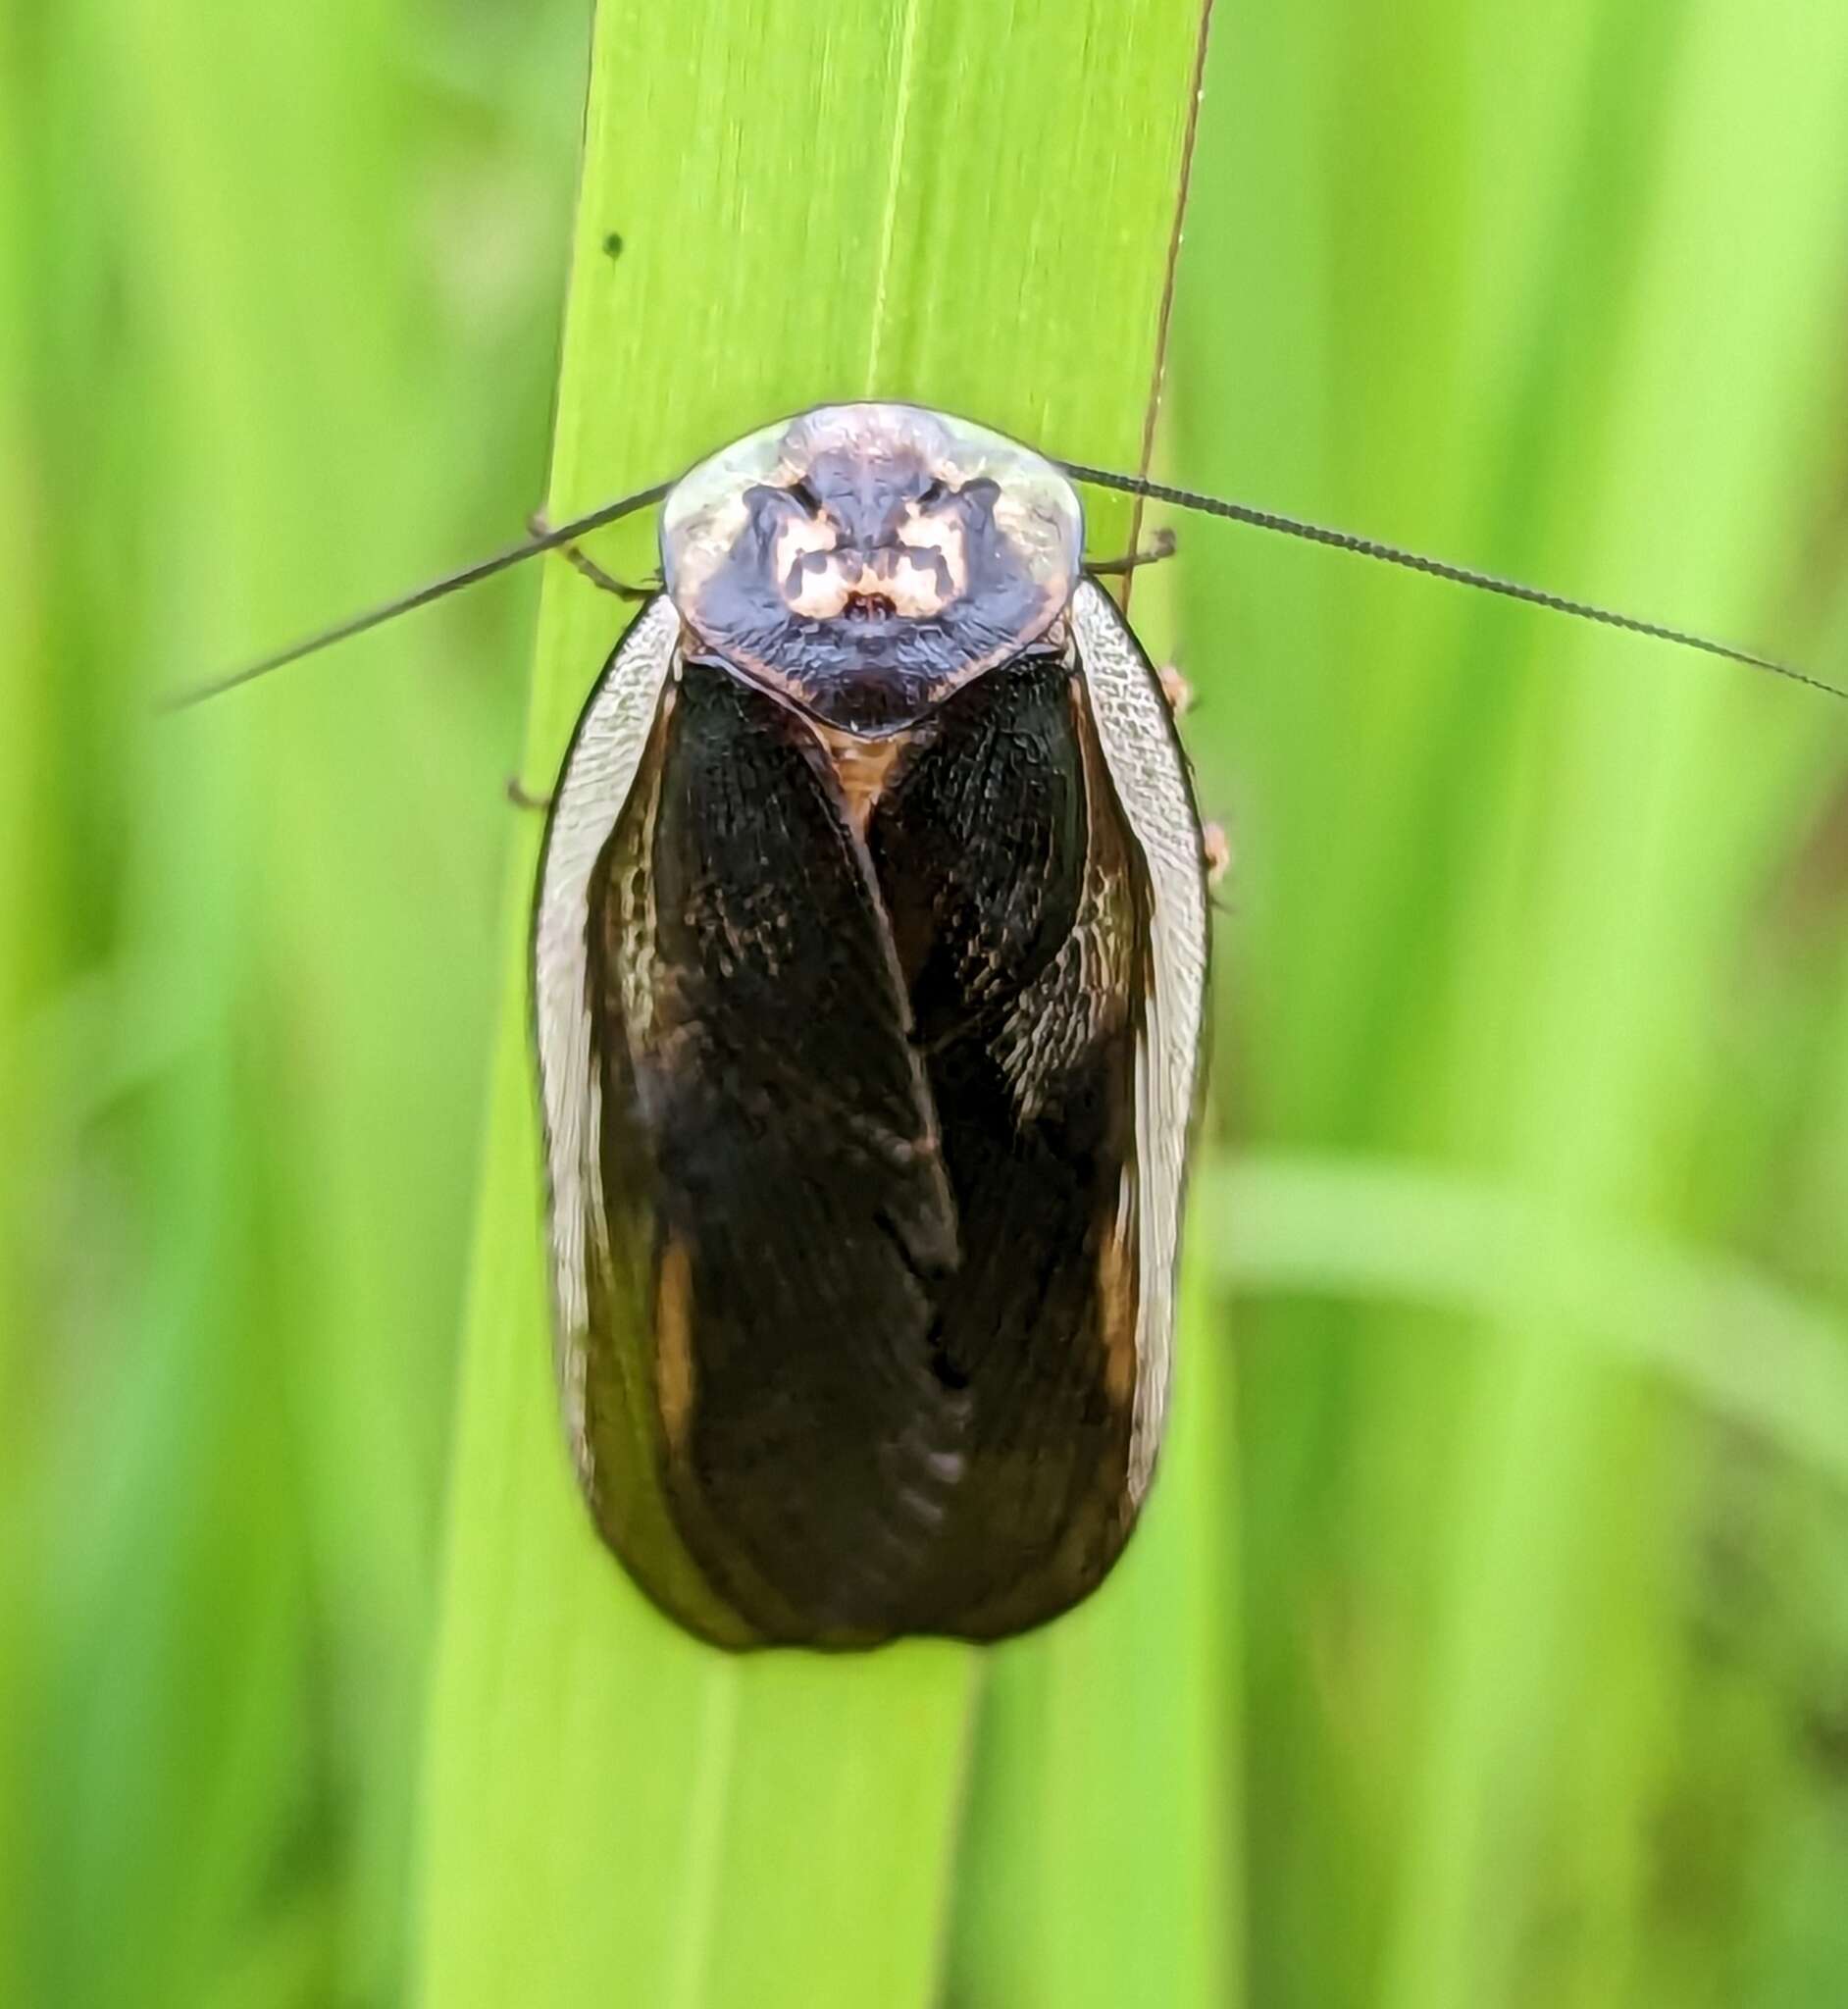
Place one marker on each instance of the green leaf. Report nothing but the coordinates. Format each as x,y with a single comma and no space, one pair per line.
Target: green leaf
925,202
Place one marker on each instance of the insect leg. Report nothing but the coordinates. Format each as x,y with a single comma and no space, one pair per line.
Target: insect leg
584,563
1175,688
1215,848
1162,545
523,798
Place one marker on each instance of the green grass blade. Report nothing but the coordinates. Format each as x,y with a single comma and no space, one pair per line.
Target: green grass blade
252,963
810,207
1754,1355
1534,1663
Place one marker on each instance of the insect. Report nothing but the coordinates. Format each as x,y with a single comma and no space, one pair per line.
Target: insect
868,957
869,949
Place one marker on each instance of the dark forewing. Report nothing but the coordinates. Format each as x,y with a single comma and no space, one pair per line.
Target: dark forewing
600,1239
760,1086
1016,908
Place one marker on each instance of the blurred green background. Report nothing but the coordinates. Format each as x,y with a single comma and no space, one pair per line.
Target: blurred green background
1518,1275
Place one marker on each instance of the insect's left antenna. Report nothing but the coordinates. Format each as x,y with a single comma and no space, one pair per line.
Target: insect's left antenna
418,596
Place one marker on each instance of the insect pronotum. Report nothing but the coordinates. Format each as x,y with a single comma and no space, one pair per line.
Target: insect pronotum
868,958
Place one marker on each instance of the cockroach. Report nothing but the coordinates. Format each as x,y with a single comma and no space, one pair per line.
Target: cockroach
869,956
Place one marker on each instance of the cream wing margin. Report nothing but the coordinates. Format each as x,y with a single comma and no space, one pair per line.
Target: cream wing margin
1148,770
598,773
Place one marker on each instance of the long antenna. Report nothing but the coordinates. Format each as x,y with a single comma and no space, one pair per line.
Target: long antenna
1093,477
1438,568
418,596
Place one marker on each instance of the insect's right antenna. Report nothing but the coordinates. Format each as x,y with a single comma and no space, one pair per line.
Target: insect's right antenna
418,596
1439,568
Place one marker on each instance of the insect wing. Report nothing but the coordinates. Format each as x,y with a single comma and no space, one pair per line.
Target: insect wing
1148,769
594,1239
